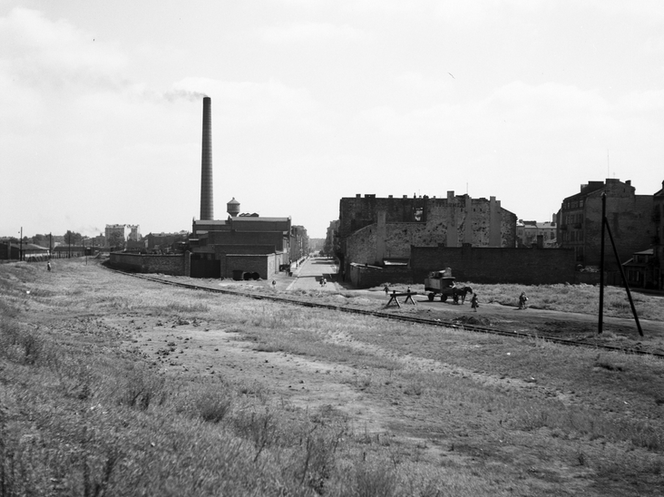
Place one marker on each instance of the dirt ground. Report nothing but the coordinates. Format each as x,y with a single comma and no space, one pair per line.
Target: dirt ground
204,348
616,332
208,348
197,348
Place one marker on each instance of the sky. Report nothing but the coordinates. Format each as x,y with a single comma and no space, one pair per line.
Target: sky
313,101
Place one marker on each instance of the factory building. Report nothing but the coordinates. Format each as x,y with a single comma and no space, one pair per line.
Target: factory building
241,246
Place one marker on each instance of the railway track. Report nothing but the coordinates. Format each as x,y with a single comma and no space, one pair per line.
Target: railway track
399,317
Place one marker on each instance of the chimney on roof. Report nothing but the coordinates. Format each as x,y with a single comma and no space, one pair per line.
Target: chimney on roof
206,163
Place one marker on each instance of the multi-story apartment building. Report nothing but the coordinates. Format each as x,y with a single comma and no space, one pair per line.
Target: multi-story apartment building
658,238
122,232
528,233
629,219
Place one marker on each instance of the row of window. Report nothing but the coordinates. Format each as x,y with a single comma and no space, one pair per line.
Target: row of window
572,236
574,218
574,204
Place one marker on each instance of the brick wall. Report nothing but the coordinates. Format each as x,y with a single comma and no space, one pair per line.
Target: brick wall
369,276
371,229
139,263
496,265
264,265
361,246
274,239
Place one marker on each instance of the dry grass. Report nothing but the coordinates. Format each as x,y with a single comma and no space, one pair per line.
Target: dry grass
583,299
82,414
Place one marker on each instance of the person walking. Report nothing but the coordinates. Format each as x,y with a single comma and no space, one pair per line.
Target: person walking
522,300
48,265
474,303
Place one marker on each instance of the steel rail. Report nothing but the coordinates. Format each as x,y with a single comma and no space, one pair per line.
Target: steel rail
398,317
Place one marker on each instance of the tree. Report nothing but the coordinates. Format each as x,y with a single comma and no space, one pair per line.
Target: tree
42,240
73,238
115,239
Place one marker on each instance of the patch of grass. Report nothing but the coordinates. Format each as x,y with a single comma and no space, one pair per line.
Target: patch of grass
20,345
593,424
581,298
141,388
459,413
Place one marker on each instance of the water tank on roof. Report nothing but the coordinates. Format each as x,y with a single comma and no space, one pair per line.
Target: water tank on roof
233,207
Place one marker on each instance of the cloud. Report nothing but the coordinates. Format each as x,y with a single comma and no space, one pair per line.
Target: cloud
54,55
248,103
311,31
176,94
648,102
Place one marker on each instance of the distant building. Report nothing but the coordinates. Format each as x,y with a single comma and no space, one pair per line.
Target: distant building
381,231
641,270
117,234
528,233
658,236
95,241
629,218
166,243
240,245
65,251
299,243
331,245
23,251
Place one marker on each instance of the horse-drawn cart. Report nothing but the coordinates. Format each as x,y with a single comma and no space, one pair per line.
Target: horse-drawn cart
440,283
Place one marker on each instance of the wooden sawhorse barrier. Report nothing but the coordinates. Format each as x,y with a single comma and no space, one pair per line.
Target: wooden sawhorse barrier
395,298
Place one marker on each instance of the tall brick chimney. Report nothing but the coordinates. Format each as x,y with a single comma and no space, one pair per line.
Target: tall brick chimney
207,211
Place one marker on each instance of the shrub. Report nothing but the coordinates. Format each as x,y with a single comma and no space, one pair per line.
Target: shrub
142,388
213,406
21,346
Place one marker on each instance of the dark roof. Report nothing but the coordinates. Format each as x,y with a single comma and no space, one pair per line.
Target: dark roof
65,248
28,246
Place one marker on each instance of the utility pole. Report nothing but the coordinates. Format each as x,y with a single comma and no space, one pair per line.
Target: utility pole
601,267
20,246
605,227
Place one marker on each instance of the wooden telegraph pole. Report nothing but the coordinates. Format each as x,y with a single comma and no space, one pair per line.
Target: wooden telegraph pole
605,227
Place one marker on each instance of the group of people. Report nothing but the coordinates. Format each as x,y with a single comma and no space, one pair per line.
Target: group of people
474,301
523,299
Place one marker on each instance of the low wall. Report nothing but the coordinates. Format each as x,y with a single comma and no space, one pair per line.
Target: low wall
496,265
145,263
364,276
265,265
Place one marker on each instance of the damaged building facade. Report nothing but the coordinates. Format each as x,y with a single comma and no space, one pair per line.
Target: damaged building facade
381,232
